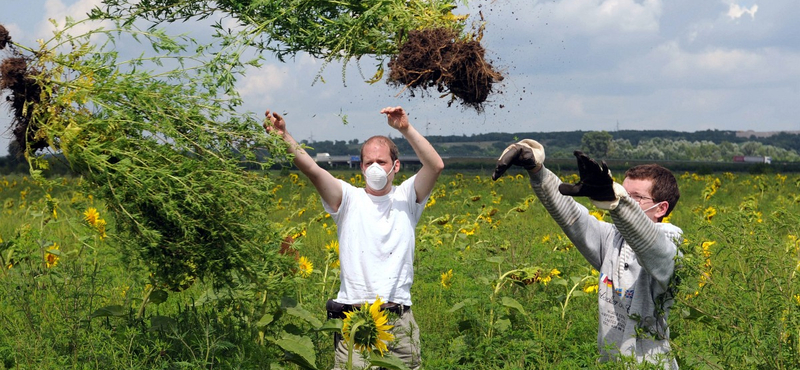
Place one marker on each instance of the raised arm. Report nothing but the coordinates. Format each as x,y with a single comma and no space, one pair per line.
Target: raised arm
585,231
432,164
655,244
327,186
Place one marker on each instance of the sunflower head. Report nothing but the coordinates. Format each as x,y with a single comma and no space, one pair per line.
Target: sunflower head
91,215
367,327
305,266
447,279
333,247
51,259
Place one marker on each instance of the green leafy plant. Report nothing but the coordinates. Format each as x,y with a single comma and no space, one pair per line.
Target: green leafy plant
167,153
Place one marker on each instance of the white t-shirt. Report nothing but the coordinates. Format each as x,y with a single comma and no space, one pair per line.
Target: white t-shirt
376,243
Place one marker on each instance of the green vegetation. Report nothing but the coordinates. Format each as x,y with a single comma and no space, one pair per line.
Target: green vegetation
497,285
162,247
329,30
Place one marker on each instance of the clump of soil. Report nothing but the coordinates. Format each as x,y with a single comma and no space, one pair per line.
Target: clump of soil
437,58
17,78
5,39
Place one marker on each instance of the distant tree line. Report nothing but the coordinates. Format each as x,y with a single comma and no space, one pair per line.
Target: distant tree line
708,145
602,144
626,145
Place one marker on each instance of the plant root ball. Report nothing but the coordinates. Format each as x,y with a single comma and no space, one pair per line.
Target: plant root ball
5,39
17,78
437,58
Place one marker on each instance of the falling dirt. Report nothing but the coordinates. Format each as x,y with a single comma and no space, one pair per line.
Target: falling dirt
17,79
437,58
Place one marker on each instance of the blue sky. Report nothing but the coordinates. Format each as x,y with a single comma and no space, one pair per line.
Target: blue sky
681,65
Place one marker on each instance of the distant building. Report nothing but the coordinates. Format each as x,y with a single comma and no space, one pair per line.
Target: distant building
750,133
752,159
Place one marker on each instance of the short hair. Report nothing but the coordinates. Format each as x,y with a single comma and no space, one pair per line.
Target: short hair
665,185
382,140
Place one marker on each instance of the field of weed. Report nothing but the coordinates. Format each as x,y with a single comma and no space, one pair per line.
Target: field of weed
497,284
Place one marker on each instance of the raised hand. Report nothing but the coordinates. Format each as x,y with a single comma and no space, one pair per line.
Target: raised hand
527,153
596,181
276,123
396,117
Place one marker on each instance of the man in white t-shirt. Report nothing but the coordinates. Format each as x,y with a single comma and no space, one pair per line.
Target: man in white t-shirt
376,228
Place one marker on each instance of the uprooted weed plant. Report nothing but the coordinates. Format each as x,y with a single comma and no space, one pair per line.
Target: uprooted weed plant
441,60
172,162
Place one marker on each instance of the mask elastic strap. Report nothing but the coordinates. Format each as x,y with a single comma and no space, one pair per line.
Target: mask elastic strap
654,206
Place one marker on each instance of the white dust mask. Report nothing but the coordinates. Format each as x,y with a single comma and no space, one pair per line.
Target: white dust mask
376,177
654,206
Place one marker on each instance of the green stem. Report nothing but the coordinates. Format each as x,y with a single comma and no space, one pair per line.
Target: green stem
146,299
500,282
325,275
566,301
351,345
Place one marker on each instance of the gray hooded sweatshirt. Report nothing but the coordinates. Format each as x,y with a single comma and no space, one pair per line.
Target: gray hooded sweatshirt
636,261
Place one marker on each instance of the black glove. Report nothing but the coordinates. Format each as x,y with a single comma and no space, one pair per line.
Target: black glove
517,155
596,181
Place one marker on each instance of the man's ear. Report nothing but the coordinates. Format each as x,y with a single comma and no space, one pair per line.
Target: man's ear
396,166
661,210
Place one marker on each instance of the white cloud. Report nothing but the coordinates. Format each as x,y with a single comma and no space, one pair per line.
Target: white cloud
714,65
671,66
58,11
735,11
593,16
572,106
263,82
727,61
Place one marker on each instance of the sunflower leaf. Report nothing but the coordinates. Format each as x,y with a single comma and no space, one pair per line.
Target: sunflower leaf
113,310
162,323
158,296
495,259
300,350
502,324
387,361
334,325
265,320
460,305
512,303
301,313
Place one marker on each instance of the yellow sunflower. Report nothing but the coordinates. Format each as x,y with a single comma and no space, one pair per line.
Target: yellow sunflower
447,279
305,267
431,202
709,213
333,246
50,258
91,215
371,328
591,288
100,225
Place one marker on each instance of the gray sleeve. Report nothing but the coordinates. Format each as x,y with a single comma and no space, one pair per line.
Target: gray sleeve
588,234
655,249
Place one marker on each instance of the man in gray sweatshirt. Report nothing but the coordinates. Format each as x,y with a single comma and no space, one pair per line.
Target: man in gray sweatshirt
635,255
